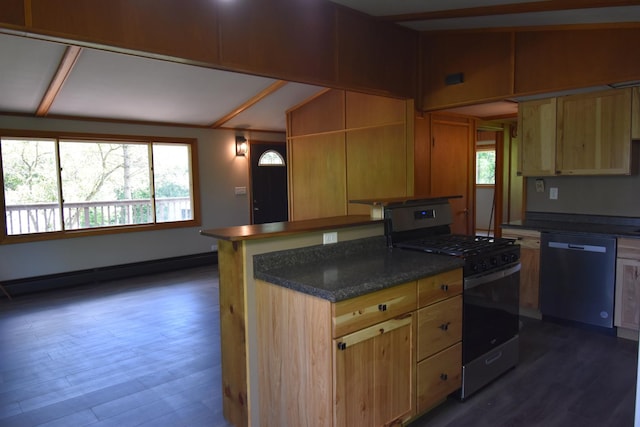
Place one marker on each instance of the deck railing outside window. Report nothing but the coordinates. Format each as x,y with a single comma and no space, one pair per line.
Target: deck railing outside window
45,217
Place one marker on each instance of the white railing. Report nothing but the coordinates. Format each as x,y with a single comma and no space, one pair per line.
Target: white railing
44,217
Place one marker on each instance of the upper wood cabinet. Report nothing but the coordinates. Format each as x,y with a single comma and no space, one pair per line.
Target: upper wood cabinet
594,133
537,134
484,60
348,146
586,134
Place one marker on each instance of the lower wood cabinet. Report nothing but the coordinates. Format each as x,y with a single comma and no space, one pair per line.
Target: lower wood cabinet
627,304
374,360
439,339
438,376
529,241
374,374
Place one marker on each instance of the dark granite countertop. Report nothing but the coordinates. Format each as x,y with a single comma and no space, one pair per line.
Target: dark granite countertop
348,269
574,223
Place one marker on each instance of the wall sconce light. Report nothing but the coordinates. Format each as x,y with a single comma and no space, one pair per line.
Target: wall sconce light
241,146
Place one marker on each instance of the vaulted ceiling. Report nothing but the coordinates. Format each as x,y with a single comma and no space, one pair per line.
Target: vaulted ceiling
46,78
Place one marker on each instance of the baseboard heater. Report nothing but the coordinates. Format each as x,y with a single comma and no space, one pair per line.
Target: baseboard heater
102,274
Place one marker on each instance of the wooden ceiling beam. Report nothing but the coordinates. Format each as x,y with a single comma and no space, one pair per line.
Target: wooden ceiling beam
257,98
67,63
537,6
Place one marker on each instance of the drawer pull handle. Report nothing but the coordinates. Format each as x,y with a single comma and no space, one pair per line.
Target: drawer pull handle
342,346
445,326
382,307
444,287
444,377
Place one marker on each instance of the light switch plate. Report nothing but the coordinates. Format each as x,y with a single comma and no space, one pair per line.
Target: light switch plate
553,193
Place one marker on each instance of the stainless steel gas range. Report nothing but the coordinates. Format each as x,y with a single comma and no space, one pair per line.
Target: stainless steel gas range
491,292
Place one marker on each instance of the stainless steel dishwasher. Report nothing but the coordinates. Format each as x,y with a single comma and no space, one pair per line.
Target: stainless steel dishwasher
577,277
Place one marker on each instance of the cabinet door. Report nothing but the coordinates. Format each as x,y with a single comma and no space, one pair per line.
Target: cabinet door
594,133
374,375
537,135
529,242
627,314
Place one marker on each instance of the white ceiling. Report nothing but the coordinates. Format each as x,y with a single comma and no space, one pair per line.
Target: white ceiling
108,85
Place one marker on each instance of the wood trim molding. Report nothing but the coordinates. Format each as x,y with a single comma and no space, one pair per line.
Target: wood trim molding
257,98
67,63
534,6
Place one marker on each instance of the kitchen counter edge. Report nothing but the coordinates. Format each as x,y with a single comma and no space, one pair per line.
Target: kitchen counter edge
274,229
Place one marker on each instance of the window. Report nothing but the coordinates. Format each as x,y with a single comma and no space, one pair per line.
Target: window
271,158
55,185
486,166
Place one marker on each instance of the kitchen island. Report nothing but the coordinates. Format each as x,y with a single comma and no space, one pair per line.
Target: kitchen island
357,268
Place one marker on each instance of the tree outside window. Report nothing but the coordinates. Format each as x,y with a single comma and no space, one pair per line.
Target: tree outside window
60,184
486,167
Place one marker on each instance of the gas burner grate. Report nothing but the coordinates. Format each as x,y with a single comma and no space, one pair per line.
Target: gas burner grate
455,244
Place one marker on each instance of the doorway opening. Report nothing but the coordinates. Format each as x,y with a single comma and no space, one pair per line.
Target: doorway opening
488,180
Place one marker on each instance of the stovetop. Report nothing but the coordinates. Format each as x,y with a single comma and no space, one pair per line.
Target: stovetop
456,244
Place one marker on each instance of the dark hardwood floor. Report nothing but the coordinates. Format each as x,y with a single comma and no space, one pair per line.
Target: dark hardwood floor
146,352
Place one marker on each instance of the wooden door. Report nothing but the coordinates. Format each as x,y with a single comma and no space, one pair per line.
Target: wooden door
452,163
374,375
268,183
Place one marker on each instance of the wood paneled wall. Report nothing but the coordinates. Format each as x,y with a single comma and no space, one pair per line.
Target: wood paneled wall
347,146
315,42
499,65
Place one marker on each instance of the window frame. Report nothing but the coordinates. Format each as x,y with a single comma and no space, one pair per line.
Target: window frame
126,228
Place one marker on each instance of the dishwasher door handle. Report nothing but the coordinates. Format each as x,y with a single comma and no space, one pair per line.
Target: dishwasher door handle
574,247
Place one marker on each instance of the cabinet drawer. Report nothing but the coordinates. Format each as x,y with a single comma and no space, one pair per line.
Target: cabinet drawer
438,376
439,326
357,313
628,248
439,287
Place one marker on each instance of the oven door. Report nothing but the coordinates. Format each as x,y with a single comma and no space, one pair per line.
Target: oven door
491,310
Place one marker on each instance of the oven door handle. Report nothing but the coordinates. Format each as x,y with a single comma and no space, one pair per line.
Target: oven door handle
472,282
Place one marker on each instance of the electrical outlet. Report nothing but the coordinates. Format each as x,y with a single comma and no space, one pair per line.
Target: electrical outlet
328,238
539,186
553,193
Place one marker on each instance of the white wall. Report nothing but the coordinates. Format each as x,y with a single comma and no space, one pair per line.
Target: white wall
220,172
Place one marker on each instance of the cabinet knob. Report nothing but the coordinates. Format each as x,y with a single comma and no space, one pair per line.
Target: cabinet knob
382,307
444,377
445,326
342,346
444,287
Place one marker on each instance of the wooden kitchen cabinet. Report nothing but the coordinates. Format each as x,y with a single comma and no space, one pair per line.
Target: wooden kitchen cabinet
594,133
374,371
585,134
350,363
439,339
627,304
529,241
537,134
